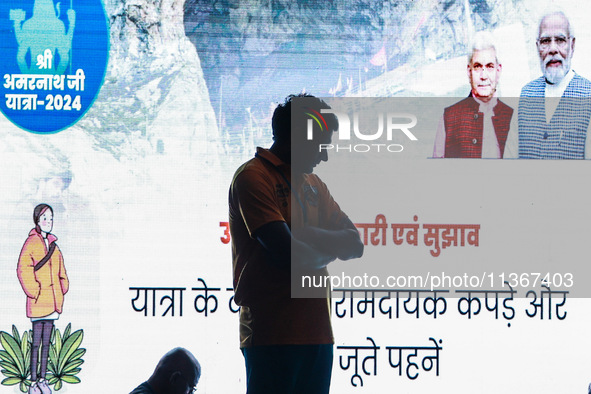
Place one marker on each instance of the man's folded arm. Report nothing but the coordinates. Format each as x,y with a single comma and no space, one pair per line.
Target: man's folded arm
277,239
344,243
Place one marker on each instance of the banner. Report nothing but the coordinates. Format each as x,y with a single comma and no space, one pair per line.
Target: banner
130,118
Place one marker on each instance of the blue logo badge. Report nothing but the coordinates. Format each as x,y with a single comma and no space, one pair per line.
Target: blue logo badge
54,58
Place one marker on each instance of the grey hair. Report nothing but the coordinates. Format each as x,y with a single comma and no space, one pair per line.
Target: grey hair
482,40
557,11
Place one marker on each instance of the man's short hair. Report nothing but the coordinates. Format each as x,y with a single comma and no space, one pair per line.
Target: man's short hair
282,120
556,11
482,40
178,359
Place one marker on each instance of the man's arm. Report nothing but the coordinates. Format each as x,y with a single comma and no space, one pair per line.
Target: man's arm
277,239
344,243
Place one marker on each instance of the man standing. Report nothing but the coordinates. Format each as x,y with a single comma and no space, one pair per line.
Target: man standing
287,342
478,125
554,110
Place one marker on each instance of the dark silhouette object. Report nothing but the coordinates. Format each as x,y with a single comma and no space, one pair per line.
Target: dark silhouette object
177,372
287,342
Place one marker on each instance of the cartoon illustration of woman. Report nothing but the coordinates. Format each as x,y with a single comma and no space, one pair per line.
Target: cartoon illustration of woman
43,277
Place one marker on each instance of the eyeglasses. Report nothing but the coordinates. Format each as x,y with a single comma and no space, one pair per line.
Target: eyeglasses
561,42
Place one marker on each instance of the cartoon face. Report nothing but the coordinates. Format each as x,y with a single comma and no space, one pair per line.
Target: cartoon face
46,221
484,73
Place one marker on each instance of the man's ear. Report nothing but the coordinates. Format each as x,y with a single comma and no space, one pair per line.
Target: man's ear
174,377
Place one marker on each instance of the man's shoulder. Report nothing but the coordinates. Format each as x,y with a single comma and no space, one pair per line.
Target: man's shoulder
253,164
579,76
314,180
501,108
143,388
264,164
253,180
462,105
252,169
580,82
534,88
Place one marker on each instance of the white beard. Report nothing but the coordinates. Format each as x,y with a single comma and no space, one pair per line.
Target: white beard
555,74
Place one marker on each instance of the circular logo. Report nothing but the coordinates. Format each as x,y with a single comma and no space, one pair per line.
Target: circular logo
54,58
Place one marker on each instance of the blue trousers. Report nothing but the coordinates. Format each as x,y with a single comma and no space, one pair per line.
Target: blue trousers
288,369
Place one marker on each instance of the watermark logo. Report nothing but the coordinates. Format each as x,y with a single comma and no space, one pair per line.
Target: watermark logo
319,120
389,126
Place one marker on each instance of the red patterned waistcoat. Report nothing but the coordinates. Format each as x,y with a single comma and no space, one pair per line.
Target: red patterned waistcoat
464,127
